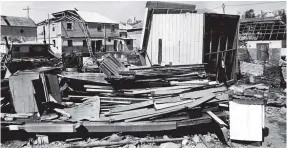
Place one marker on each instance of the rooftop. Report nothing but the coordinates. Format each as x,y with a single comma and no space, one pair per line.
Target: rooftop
17,21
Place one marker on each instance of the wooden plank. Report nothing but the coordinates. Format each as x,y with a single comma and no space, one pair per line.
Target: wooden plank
159,89
47,128
133,106
43,79
54,87
196,82
22,91
128,127
233,49
153,112
99,87
115,102
125,99
201,93
166,105
99,90
218,120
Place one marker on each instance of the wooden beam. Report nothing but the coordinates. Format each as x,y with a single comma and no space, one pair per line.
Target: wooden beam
128,126
221,51
153,112
47,128
133,106
218,120
99,90
98,87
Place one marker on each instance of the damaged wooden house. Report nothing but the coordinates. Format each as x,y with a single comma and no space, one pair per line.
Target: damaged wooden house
19,44
175,34
262,39
66,33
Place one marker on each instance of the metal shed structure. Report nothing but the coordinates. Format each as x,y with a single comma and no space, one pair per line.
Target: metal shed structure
180,36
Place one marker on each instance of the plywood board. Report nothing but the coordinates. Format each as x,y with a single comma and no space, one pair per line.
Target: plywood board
54,88
23,91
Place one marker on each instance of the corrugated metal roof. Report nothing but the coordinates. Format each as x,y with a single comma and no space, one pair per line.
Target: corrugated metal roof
17,21
95,17
3,22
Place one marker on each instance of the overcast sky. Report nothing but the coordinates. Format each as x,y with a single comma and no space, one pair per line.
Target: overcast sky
123,10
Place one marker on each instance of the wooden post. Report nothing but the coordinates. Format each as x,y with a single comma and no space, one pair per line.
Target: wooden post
217,58
159,51
105,37
49,29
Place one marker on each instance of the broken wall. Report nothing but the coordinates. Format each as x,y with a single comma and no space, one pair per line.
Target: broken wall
176,38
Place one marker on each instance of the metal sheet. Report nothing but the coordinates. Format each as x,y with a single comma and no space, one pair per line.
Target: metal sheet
182,38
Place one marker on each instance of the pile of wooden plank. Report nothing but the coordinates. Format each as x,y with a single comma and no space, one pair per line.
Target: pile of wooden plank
161,93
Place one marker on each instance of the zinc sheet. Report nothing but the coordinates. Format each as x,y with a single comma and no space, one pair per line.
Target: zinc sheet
182,38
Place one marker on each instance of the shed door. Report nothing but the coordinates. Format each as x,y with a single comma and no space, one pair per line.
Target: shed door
262,51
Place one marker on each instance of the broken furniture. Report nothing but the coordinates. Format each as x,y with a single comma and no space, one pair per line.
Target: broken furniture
30,88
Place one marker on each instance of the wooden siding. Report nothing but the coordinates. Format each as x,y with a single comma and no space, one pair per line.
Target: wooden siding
77,30
181,35
29,33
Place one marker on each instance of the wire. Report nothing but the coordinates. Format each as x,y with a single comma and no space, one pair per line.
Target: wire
245,5
213,9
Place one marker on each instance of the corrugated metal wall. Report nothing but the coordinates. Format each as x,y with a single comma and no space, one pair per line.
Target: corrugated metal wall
182,38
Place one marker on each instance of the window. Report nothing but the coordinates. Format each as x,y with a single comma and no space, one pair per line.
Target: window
120,35
99,28
69,26
17,49
53,28
109,40
113,28
84,43
54,43
128,42
70,43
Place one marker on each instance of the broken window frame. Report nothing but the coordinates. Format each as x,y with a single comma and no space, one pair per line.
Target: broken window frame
99,28
68,28
70,43
113,28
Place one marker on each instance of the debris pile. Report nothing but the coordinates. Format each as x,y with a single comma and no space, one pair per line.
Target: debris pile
120,100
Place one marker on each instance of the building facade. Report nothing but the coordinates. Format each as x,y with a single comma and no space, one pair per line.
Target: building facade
65,32
262,39
17,29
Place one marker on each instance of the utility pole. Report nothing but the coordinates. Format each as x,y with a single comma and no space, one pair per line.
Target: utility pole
223,8
27,9
49,29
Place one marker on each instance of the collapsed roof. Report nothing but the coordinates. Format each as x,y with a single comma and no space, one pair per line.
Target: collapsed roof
72,15
269,28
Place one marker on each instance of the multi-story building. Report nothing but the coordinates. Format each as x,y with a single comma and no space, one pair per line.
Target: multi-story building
65,32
